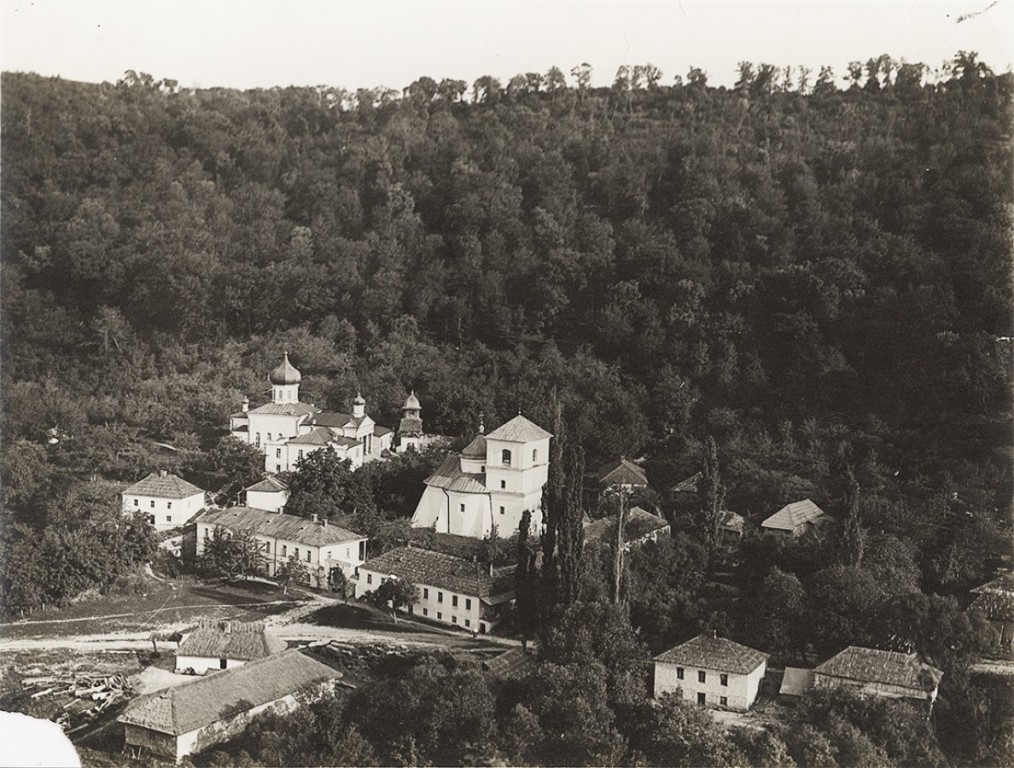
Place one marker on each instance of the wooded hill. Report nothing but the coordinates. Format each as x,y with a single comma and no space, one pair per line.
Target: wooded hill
780,265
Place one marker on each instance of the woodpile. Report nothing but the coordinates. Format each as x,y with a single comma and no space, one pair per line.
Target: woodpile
77,697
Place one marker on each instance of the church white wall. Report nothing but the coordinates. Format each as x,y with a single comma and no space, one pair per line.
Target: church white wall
431,510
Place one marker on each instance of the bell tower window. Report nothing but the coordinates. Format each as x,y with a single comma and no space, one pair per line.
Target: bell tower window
505,457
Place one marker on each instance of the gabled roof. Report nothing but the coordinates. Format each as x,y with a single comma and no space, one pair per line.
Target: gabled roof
449,475
279,526
871,665
689,485
1001,585
334,420
998,606
791,516
638,523
268,485
424,567
519,430
163,486
707,651
731,521
230,640
379,430
220,695
510,664
621,472
317,436
284,409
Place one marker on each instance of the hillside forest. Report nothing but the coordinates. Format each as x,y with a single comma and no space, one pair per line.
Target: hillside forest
800,285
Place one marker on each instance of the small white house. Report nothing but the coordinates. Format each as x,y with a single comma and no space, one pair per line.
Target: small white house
269,494
712,671
452,590
168,501
225,644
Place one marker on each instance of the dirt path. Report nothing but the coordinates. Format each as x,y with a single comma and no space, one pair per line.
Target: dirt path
30,622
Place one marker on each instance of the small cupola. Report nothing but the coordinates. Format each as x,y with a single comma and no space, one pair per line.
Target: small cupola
285,382
358,406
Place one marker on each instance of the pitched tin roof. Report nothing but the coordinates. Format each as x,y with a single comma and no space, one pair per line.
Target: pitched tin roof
449,475
871,665
707,651
380,431
475,449
436,569
791,516
519,430
796,681
230,640
268,485
1001,585
279,526
621,472
207,700
333,419
163,486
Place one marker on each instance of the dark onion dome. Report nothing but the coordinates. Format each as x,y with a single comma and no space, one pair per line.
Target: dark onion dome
285,373
411,403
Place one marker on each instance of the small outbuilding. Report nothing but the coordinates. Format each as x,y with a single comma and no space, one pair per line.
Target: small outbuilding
188,718
711,671
269,494
796,519
218,645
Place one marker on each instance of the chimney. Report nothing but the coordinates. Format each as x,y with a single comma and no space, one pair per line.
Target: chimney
314,518
324,522
162,473
246,404
712,633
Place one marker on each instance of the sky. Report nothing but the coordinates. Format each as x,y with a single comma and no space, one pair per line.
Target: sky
364,43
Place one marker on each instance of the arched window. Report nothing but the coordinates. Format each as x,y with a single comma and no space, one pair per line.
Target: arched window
505,457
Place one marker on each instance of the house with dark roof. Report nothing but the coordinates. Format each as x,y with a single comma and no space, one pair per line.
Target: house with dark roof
711,671
452,590
639,527
995,601
496,478
730,527
216,644
880,673
286,429
188,718
269,494
321,546
797,518
621,473
169,501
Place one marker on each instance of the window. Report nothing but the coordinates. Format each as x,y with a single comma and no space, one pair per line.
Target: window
679,673
267,547
278,453
151,519
297,553
461,507
440,615
505,457
300,453
278,467
425,612
724,679
468,623
454,619
482,468
501,510
702,677
153,503
701,699
723,700
222,663
535,454
369,578
468,603
307,555
257,442
426,593
284,549
168,505
269,437
136,502
168,518
503,484
454,601
440,597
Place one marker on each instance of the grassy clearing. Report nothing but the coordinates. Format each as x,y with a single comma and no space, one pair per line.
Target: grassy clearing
160,604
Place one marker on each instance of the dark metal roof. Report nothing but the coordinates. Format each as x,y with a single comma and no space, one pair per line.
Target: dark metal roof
871,665
436,569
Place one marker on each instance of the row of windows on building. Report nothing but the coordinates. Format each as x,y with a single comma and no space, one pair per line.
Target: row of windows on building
502,509
506,457
266,546
702,676
168,504
426,596
702,699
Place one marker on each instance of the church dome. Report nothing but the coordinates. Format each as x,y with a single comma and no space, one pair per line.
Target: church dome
411,403
285,373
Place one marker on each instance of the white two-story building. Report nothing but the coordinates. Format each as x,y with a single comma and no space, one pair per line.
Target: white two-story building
711,671
169,501
322,547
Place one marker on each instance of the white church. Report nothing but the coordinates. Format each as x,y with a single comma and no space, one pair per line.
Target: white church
286,430
491,482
